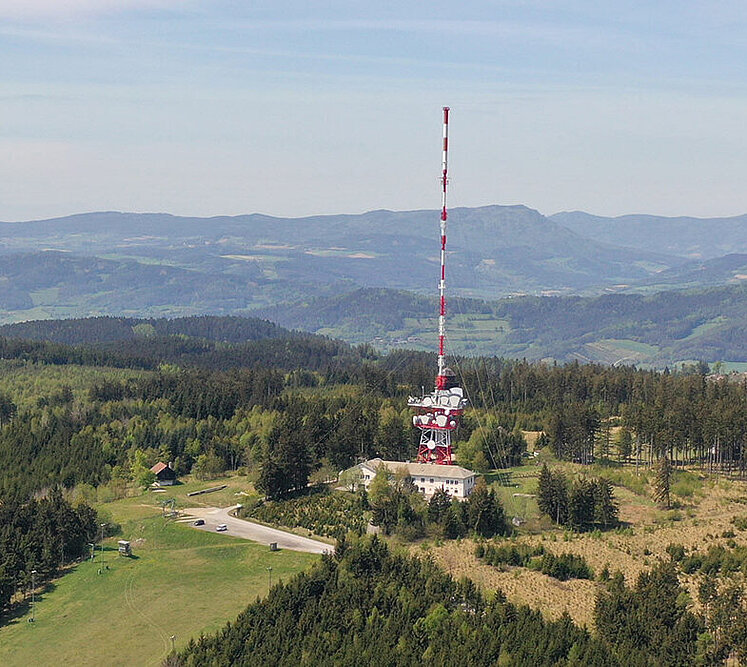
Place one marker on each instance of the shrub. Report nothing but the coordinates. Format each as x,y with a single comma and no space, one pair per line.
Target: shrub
322,512
565,566
676,552
511,554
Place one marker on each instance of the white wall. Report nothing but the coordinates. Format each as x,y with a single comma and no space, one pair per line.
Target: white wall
459,488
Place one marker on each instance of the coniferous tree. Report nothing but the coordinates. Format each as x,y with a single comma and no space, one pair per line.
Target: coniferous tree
438,506
545,496
662,482
484,512
8,409
605,508
559,490
581,504
271,480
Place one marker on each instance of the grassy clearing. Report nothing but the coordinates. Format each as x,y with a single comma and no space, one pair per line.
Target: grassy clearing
708,511
182,582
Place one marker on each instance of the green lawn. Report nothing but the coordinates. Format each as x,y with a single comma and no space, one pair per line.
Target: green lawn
513,486
181,582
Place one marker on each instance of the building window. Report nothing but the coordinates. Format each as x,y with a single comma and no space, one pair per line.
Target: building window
431,480
422,479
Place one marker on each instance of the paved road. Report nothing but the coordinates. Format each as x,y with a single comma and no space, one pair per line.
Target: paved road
255,531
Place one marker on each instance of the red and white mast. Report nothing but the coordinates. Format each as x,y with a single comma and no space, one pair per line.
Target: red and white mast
438,413
440,379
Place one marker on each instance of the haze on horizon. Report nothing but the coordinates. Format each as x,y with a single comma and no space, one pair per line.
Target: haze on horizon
290,109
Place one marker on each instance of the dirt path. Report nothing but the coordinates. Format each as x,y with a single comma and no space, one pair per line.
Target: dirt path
249,530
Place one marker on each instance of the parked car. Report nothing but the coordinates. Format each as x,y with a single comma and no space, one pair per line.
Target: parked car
199,522
221,527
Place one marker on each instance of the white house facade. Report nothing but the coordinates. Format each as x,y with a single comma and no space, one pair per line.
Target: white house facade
427,477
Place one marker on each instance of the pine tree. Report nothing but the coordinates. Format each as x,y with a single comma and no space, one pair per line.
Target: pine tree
581,504
484,512
605,507
552,494
438,506
559,498
662,482
270,480
545,491
624,443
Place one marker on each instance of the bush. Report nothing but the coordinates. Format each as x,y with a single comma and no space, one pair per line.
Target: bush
676,552
511,554
321,511
563,567
685,484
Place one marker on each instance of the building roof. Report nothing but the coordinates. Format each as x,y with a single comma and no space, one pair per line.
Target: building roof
422,469
159,467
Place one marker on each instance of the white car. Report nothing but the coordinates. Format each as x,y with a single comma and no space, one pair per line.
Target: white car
221,527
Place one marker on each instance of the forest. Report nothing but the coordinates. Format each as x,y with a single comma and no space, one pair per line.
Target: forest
367,605
288,407
38,538
84,419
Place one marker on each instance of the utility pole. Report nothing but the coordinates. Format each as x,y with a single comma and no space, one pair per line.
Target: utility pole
173,639
33,596
103,525
269,573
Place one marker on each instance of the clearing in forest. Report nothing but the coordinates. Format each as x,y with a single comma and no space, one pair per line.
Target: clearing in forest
180,582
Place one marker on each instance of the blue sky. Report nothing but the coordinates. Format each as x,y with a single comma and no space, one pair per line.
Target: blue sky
299,108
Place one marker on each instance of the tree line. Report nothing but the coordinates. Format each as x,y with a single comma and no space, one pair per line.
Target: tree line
580,503
41,535
366,605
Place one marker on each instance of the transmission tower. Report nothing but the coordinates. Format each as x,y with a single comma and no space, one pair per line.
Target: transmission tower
438,413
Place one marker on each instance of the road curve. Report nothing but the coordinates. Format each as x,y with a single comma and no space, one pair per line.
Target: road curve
256,532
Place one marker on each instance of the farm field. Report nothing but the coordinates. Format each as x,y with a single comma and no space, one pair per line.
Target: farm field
703,516
180,582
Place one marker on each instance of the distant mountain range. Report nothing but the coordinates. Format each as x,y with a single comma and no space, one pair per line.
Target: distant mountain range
494,251
300,270
697,238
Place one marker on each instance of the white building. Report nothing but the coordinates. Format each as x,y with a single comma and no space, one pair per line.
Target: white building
427,477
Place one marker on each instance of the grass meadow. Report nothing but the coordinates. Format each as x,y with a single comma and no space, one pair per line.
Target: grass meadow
180,582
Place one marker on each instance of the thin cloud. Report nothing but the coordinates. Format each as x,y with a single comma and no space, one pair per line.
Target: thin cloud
35,9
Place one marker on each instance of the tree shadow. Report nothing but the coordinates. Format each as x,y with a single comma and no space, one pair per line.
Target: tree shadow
17,611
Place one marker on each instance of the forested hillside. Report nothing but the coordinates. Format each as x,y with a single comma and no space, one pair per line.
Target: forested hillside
367,606
730,268
102,330
660,329
290,410
209,342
